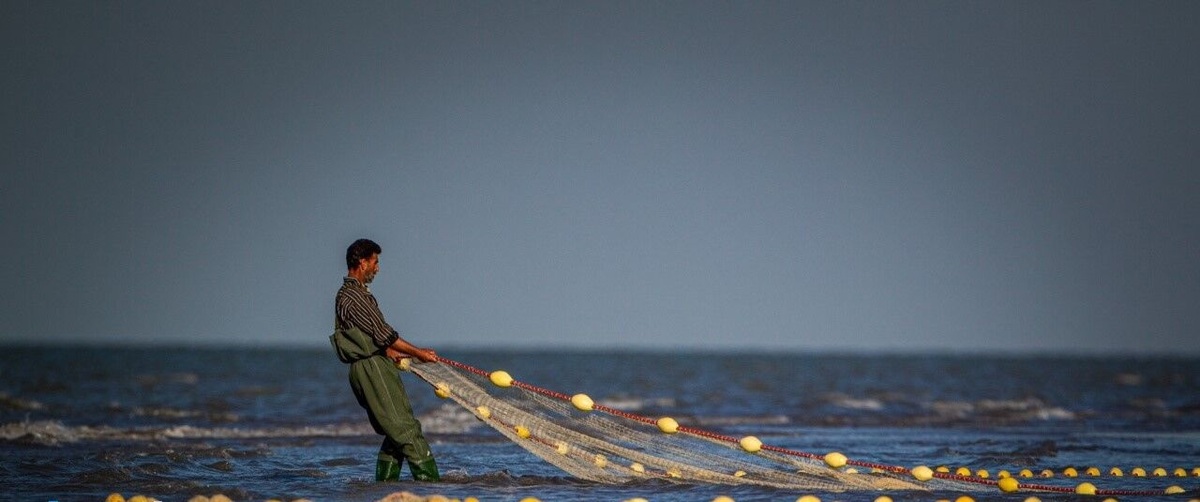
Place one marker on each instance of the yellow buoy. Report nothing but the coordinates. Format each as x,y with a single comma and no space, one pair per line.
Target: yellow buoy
600,460
922,473
1137,472
470,499
674,472
739,474
483,412
197,498
1116,471
1179,472
115,497
1196,472
1070,472
835,460
139,498
220,497
723,498
522,432
1032,499
808,498
1092,471
563,448
582,402
1174,490
1160,472
1085,488
501,378
637,467
883,498
962,471
1047,473
1025,473
442,390
1003,474
530,499
943,469
1008,485
668,425
982,474
964,498
750,444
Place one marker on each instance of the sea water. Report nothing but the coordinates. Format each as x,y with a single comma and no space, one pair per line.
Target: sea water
254,424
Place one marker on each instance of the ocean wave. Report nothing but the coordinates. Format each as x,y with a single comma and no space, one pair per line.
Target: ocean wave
178,414
53,432
1001,411
854,403
19,404
445,419
449,419
733,421
631,403
183,378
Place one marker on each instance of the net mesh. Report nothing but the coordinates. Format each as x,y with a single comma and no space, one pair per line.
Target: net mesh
606,445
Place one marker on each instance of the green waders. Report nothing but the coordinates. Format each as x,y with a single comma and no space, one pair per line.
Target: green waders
376,384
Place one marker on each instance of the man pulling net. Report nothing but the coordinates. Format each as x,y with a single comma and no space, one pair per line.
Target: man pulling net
363,340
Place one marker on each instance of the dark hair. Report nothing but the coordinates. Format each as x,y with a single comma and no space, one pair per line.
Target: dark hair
360,250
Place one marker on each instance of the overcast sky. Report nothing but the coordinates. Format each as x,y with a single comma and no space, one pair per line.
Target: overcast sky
880,176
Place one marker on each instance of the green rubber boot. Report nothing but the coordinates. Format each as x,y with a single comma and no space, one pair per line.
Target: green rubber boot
387,470
424,471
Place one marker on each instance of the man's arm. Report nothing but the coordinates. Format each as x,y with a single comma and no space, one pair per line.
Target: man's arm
400,349
361,312
357,310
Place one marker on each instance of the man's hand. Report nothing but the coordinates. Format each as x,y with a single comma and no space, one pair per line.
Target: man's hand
427,355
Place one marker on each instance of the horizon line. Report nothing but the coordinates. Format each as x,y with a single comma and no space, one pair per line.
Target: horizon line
626,349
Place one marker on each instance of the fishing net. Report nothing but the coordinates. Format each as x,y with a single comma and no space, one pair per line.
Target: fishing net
598,443
606,445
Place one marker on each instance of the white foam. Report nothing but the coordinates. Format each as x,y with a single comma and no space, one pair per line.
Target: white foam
54,432
20,403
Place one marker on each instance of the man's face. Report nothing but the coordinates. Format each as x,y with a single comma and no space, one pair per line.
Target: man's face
369,267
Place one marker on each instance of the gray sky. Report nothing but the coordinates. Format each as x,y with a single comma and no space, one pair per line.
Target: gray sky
883,176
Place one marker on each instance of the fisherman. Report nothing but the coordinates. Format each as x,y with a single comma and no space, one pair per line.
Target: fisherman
370,346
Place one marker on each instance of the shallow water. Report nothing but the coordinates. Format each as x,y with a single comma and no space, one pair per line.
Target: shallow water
255,424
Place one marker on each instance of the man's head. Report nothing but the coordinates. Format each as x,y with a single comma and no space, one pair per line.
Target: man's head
362,259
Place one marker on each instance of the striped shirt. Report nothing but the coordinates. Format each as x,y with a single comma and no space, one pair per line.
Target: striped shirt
356,307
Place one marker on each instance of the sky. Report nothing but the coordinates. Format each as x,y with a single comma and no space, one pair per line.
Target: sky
910,177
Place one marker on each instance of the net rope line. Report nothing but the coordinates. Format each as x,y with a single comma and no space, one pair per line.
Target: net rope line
588,445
